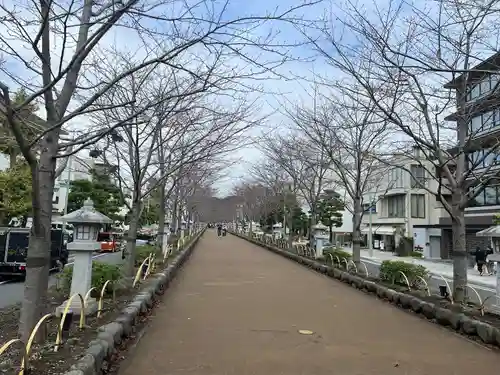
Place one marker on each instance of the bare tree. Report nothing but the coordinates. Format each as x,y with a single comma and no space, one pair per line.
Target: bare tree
187,131
402,58
53,50
270,175
306,164
350,135
254,198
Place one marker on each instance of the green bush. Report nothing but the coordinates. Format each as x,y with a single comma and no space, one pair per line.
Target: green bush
142,252
416,254
390,271
101,272
336,252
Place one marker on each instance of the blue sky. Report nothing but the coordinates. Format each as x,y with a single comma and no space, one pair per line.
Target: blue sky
292,87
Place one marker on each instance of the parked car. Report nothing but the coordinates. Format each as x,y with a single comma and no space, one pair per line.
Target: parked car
14,249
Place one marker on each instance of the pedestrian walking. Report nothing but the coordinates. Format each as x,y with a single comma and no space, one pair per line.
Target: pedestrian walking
480,257
219,229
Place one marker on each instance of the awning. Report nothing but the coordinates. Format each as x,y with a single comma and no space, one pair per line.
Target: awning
493,231
379,229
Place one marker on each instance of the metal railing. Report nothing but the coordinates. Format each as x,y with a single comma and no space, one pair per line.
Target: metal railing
146,268
419,283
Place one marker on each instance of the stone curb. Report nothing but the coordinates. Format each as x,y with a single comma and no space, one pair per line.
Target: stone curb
110,335
459,322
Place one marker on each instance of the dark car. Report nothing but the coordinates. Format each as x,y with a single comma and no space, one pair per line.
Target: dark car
14,249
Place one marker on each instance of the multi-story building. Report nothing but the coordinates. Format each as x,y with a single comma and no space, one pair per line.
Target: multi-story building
78,168
477,118
402,208
342,235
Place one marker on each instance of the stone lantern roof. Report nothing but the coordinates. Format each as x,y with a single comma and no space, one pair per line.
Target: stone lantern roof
86,215
320,226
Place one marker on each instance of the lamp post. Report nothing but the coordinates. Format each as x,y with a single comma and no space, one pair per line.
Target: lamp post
86,222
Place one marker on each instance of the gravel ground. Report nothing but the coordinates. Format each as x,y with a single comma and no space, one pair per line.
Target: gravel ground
238,309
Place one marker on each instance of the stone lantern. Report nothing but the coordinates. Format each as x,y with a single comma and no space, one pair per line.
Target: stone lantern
86,222
278,231
320,237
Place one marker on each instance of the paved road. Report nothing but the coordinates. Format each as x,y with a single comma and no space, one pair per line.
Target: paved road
12,292
236,309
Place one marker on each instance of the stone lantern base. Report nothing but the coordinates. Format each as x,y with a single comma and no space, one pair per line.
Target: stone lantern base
76,307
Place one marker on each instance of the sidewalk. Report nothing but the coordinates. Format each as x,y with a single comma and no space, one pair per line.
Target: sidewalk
237,309
435,267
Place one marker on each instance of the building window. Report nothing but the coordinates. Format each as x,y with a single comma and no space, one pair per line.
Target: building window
488,196
396,178
483,159
418,176
418,206
483,87
396,206
484,122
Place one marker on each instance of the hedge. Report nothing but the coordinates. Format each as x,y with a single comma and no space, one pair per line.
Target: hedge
390,271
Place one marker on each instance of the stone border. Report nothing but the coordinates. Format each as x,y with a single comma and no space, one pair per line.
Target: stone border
459,322
110,336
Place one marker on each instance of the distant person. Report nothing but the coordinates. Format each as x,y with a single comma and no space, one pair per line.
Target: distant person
480,257
224,230
219,229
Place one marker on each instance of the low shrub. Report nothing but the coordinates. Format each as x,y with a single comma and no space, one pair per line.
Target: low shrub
142,252
336,252
390,271
101,272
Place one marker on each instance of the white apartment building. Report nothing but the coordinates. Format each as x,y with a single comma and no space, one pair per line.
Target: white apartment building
77,169
403,208
343,234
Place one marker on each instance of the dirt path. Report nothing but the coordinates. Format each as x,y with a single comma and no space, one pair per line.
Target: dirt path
236,309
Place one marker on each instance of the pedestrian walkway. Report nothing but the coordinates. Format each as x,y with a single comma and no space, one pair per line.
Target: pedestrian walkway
237,309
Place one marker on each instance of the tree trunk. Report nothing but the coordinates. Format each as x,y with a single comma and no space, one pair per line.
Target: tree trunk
179,218
13,157
174,214
356,232
38,256
161,213
460,263
312,223
331,233
132,238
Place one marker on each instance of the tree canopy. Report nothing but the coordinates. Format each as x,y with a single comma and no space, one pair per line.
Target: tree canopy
15,192
106,196
328,211
30,126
